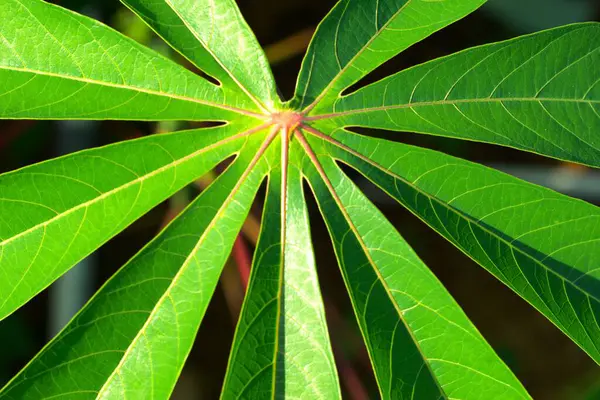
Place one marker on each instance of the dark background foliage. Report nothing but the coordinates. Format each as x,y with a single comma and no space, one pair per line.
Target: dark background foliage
549,365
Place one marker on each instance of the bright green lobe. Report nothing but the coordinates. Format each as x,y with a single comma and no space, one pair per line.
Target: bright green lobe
541,244
55,64
170,27
281,348
421,344
131,340
55,213
539,93
357,36
215,36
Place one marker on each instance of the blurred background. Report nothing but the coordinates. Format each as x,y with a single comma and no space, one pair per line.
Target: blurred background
544,359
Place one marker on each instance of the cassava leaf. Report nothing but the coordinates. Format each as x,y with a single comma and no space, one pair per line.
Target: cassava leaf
281,348
357,36
61,65
132,338
215,37
543,245
54,213
539,93
421,344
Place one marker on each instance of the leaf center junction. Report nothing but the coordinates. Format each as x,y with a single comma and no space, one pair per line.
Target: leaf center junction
287,121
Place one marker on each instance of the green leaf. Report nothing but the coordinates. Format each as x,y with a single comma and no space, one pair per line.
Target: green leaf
539,93
421,343
159,16
60,65
55,213
357,36
543,245
281,348
215,37
132,338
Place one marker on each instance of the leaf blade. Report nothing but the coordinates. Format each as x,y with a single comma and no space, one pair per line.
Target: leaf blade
356,37
153,317
281,346
526,93
543,245
166,23
44,202
61,65
420,342
225,38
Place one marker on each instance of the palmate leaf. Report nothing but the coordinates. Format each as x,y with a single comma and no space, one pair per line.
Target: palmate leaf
519,93
131,339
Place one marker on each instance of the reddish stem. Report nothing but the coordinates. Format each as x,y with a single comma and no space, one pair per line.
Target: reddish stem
356,390
240,251
243,260
13,131
350,377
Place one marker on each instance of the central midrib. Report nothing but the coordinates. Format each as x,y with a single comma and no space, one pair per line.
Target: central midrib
448,102
136,89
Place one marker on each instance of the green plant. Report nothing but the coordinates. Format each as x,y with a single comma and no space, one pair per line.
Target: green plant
539,93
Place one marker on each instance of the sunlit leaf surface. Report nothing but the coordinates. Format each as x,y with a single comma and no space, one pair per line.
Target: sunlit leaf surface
60,65
281,345
152,307
518,93
538,93
54,213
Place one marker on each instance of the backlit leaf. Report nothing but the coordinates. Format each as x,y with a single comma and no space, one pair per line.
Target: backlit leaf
54,213
61,65
543,245
132,338
519,93
357,36
421,344
539,93
281,348
215,37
